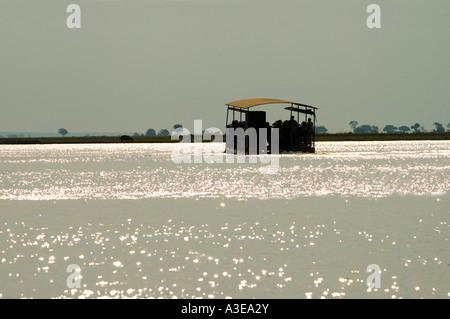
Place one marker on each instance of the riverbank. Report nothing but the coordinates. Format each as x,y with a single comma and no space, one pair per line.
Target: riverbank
382,137
166,139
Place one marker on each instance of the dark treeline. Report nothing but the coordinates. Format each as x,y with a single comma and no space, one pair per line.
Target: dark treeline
162,132
389,128
355,128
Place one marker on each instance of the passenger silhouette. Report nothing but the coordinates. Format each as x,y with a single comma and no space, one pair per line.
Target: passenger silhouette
293,125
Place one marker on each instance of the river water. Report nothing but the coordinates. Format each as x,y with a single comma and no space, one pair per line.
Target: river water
127,221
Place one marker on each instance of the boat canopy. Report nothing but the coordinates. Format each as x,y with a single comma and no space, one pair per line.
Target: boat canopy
248,103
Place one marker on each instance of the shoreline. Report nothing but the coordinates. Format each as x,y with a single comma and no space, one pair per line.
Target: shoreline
354,137
335,137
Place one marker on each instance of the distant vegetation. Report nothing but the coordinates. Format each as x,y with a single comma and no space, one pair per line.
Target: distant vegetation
439,128
358,133
167,139
389,128
366,128
163,132
150,132
321,130
63,131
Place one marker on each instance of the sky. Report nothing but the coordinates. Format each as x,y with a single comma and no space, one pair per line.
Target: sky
139,64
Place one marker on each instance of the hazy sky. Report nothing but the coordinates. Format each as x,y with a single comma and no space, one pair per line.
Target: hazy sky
139,64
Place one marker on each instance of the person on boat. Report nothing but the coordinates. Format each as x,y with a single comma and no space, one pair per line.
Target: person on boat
310,126
234,124
269,136
284,135
277,123
310,132
293,125
304,134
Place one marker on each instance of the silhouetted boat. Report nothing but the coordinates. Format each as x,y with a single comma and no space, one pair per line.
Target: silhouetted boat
293,136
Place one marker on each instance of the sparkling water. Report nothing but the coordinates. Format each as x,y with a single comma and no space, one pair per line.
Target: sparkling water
125,221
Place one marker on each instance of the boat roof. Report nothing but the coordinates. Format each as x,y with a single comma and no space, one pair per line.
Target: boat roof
248,103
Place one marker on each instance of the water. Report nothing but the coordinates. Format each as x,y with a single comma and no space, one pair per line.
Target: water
138,225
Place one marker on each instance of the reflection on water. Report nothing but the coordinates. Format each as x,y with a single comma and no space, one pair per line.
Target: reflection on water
137,171
209,248
225,230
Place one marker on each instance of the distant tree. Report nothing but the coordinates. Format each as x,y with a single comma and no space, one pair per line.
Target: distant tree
321,129
12,135
362,129
136,134
416,127
163,132
439,127
366,129
177,126
390,128
1,136
150,132
353,125
448,127
404,129
63,131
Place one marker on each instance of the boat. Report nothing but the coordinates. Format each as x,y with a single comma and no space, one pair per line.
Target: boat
249,132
